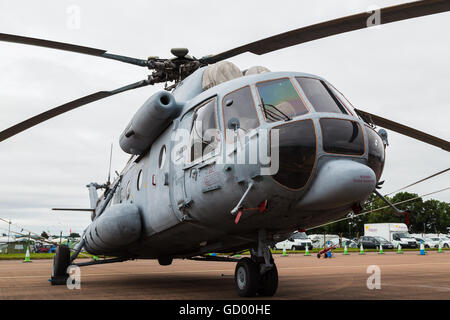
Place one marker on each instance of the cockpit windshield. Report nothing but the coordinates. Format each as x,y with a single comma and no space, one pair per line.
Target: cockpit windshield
279,100
320,95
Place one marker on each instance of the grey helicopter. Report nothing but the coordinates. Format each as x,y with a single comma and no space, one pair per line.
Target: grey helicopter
225,160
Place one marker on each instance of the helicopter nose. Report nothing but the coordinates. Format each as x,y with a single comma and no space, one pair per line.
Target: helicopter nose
339,183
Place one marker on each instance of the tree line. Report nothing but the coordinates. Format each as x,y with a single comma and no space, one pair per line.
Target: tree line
430,216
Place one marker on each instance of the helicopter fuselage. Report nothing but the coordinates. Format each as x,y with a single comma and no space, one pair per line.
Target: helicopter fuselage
190,187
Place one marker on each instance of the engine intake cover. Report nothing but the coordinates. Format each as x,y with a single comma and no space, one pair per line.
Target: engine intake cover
149,122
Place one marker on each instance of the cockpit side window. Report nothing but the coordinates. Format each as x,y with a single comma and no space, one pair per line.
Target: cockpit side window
320,95
204,133
279,100
239,112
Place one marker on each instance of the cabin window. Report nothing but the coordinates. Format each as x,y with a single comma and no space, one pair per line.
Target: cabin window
279,100
204,133
139,180
239,112
162,156
320,96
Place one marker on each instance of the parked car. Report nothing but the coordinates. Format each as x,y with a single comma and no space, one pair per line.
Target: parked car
350,243
297,241
46,249
427,242
374,242
341,242
445,242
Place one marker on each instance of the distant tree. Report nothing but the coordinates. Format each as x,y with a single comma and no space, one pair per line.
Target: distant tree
44,235
431,216
74,235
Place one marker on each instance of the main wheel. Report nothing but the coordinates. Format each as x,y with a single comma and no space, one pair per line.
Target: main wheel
268,282
246,277
61,262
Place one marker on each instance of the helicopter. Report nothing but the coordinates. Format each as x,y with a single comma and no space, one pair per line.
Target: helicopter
226,160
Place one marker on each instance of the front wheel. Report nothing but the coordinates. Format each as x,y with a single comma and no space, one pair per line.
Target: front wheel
445,245
246,277
268,282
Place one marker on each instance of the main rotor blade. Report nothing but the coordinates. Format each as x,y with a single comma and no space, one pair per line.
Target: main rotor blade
31,122
402,129
334,27
72,209
71,47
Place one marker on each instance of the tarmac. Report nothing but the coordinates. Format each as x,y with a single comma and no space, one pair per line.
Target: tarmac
403,276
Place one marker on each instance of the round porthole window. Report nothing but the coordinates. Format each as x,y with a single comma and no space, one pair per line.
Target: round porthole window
162,156
139,180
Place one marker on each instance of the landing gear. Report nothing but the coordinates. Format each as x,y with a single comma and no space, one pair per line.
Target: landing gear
61,262
246,277
250,281
165,261
258,274
268,282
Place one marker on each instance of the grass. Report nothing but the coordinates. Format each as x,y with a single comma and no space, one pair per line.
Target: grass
35,256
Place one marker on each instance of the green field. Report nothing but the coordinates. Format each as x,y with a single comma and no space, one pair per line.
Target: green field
34,256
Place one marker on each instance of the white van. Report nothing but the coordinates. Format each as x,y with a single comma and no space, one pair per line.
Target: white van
397,233
297,241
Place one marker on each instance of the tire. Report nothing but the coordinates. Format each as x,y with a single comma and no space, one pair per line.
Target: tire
268,282
445,245
165,261
246,277
61,262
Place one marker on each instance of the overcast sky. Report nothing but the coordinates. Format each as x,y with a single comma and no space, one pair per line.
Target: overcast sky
400,71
